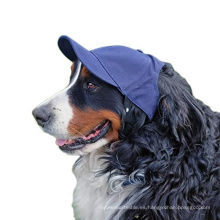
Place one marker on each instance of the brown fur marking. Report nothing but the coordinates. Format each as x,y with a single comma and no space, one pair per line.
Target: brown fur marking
85,121
72,66
85,73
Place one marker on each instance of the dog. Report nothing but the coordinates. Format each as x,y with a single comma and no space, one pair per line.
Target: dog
134,165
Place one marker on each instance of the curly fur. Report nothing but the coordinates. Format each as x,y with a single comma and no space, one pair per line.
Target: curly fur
173,160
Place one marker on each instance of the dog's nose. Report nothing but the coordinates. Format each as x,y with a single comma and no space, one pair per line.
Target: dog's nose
42,115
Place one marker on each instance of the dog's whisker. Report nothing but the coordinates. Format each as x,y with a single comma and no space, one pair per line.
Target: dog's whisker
77,131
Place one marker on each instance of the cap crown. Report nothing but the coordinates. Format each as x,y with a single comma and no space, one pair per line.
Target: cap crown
134,73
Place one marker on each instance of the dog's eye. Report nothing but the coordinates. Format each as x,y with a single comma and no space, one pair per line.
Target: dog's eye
91,86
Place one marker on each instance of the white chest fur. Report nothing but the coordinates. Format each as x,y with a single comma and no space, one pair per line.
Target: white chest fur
94,197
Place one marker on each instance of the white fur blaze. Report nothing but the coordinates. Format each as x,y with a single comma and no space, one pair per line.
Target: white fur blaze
61,110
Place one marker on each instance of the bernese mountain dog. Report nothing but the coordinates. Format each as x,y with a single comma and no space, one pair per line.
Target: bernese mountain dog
130,166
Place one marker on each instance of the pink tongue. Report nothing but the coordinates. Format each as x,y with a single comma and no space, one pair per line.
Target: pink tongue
60,142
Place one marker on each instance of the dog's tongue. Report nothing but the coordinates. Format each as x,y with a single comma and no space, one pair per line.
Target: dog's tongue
60,142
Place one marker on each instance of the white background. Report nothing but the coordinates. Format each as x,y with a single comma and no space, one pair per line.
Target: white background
36,179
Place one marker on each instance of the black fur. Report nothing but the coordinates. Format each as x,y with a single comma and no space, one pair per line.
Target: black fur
178,153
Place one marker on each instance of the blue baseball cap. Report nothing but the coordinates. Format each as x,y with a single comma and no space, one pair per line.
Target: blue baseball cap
134,73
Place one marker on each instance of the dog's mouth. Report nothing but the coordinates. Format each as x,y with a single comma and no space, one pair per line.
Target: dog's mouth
78,143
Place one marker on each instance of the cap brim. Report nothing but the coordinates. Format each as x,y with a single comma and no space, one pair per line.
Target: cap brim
73,51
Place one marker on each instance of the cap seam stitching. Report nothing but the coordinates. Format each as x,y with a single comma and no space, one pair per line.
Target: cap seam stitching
105,69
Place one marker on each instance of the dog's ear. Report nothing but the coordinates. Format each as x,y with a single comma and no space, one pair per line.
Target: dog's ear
183,116
179,111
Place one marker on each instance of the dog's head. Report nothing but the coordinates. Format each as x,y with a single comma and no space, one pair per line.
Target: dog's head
85,116
106,87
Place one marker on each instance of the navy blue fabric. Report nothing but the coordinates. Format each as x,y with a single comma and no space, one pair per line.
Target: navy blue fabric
134,73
